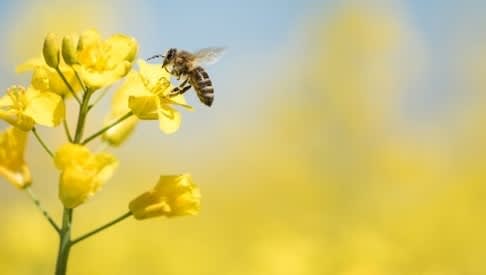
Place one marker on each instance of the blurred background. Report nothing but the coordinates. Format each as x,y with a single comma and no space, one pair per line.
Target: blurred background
347,137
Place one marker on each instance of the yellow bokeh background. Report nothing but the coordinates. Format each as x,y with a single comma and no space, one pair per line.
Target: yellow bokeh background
336,174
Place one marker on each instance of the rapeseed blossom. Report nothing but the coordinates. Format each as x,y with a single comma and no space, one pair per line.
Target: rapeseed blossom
150,98
82,173
102,62
23,108
173,196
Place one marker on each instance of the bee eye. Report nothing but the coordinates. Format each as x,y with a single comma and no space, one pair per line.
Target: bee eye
170,54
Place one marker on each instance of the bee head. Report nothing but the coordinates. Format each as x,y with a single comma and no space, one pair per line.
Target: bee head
169,57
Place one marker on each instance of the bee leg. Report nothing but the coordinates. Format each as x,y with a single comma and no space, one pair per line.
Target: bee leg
177,75
185,89
181,89
182,84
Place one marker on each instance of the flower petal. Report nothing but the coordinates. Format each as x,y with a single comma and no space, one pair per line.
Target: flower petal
121,69
169,119
144,107
71,154
18,119
148,205
116,135
29,65
6,101
20,178
80,182
101,63
57,85
45,78
121,48
40,78
173,196
99,79
89,48
46,109
152,74
75,185
106,165
83,173
12,164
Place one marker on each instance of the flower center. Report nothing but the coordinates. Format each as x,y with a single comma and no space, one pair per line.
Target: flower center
159,87
96,57
18,98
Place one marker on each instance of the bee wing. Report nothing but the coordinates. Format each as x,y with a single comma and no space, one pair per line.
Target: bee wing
209,56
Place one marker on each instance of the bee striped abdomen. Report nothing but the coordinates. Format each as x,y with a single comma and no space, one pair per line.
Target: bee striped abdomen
199,79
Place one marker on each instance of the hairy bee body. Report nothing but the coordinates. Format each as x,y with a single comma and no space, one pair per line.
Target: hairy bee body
185,65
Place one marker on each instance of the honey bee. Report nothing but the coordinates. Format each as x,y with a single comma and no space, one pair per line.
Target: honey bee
186,65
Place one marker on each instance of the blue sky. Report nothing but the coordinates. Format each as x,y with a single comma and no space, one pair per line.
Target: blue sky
243,26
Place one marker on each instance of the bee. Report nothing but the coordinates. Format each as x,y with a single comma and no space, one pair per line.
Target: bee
186,65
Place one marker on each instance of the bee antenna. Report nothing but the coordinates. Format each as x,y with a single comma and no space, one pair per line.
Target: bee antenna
155,56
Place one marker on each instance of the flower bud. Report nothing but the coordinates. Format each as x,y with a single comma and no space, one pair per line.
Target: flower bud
69,50
51,51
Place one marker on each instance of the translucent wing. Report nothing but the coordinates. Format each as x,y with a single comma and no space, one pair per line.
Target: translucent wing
209,56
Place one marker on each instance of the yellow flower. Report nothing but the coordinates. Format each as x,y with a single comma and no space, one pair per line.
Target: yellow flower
23,108
119,107
103,62
12,164
172,196
149,97
45,78
82,173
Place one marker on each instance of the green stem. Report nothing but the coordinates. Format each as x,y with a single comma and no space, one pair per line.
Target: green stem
65,243
80,81
66,130
83,112
65,234
42,142
101,228
100,97
36,201
68,85
108,127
